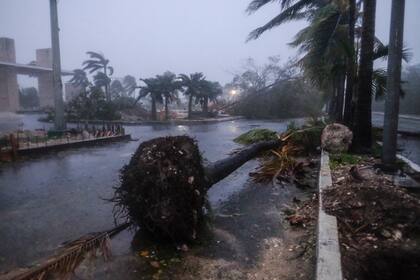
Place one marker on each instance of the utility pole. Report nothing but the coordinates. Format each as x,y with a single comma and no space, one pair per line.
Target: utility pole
392,102
56,65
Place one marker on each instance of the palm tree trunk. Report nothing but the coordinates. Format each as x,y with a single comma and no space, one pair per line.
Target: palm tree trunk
348,103
190,106
332,105
166,108
220,169
363,115
206,105
154,115
107,93
396,35
340,97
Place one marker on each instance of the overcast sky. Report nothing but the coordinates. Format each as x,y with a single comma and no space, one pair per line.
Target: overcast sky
145,38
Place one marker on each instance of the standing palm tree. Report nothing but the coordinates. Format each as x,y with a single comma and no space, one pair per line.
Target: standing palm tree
130,85
363,114
324,42
152,89
169,86
98,62
80,79
192,84
117,89
393,83
351,64
209,92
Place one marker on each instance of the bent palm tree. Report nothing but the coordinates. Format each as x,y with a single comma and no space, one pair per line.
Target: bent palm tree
80,79
130,85
192,84
152,89
209,92
169,85
117,89
98,62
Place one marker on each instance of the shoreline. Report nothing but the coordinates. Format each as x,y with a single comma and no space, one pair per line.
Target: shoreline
171,122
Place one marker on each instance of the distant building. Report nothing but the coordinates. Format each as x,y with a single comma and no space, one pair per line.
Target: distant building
9,69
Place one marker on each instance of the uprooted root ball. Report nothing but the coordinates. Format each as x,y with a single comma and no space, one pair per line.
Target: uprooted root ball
163,188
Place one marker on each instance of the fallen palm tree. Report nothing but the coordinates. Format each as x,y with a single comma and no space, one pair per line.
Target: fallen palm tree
163,191
163,188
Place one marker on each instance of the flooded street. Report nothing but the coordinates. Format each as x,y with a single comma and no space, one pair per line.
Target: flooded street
50,199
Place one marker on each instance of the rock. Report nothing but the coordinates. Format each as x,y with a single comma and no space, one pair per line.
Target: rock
336,138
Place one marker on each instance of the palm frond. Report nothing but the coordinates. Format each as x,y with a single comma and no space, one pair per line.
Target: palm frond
111,70
96,55
379,84
291,12
64,263
257,4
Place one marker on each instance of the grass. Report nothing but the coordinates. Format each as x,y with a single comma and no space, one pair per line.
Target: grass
337,160
256,135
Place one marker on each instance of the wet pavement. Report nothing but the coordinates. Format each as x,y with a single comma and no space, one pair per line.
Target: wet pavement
409,146
58,197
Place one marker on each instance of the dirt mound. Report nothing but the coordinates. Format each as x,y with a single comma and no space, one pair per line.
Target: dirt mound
379,226
163,189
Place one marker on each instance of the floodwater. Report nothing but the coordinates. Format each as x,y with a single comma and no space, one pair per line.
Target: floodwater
47,200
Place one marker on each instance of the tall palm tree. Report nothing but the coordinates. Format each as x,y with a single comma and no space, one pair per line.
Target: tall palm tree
117,89
80,79
130,85
393,83
169,85
351,64
324,42
324,48
151,88
209,91
192,84
363,113
98,63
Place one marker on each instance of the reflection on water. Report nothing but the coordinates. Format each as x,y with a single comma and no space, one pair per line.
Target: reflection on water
60,196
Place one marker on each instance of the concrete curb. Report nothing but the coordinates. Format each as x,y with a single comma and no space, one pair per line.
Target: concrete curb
409,162
328,260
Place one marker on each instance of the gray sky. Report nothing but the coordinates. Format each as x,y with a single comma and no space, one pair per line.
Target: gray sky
145,38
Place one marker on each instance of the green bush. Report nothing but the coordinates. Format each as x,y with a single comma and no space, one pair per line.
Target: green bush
337,160
256,135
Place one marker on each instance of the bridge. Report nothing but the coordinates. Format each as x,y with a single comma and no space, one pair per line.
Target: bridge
41,68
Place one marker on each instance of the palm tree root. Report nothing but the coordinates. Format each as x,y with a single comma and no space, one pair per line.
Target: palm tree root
163,187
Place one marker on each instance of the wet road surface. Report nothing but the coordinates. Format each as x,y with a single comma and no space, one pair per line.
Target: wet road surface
409,145
58,197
